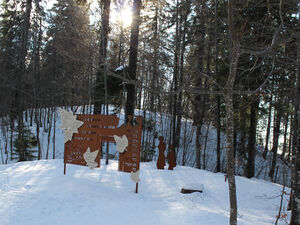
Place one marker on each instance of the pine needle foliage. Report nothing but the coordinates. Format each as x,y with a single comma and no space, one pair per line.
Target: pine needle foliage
25,145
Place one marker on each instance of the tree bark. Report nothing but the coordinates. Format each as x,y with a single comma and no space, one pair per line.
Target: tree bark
268,129
198,147
49,133
134,41
218,134
230,158
102,56
54,132
295,217
228,96
284,147
290,138
275,143
182,36
153,82
175,77
252,139
37,122
198,102
218,167
37,57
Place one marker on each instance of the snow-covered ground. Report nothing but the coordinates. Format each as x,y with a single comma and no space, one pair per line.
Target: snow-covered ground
37,193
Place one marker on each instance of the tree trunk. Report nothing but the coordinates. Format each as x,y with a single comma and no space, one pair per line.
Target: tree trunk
184,148
234,141
205,146
11,137
153,82
49,134
218,134
23,53
290,138
134,41
275,143
198,147
218,167
37,122
286,123
182,41
198,102
268,129
295,217
102,56
252,139
230,158
242,142
54,133
175,78
37,58
228,91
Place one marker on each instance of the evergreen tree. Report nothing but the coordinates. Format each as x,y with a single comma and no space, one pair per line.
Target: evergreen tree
24,145
68,54
10,21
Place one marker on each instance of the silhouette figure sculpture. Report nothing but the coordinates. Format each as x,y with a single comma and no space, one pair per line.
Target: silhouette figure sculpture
160,164
171,158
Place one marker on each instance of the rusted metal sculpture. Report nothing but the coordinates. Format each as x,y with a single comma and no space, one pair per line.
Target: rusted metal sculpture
129,161
75,149
88,137
160,164
171,157
102,128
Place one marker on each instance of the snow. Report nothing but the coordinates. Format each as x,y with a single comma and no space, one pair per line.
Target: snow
120,68
37,193
194,186
162,123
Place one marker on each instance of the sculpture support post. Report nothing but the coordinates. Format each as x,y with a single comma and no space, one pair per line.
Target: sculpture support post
136,187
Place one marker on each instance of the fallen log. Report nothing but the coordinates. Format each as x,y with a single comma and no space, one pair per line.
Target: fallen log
189,191
191,188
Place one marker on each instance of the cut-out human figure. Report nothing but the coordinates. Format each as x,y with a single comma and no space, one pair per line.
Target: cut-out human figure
161,156
171,158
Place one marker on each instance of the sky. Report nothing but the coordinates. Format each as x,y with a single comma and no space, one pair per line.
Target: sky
124,16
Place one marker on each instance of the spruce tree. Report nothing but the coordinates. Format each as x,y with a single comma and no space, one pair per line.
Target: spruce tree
68,56
24,145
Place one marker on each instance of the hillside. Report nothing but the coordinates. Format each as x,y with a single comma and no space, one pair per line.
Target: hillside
37,193
160,123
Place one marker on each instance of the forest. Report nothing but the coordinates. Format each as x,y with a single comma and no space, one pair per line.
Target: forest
231,66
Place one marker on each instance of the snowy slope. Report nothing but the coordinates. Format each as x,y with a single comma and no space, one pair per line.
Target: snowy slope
208,153
37,193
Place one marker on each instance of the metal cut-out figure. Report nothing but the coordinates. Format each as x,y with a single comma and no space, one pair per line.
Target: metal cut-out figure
171,158
69,124
160,164
90,157
122,143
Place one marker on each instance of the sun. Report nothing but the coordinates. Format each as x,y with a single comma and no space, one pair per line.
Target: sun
122,15
120,12
126,17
